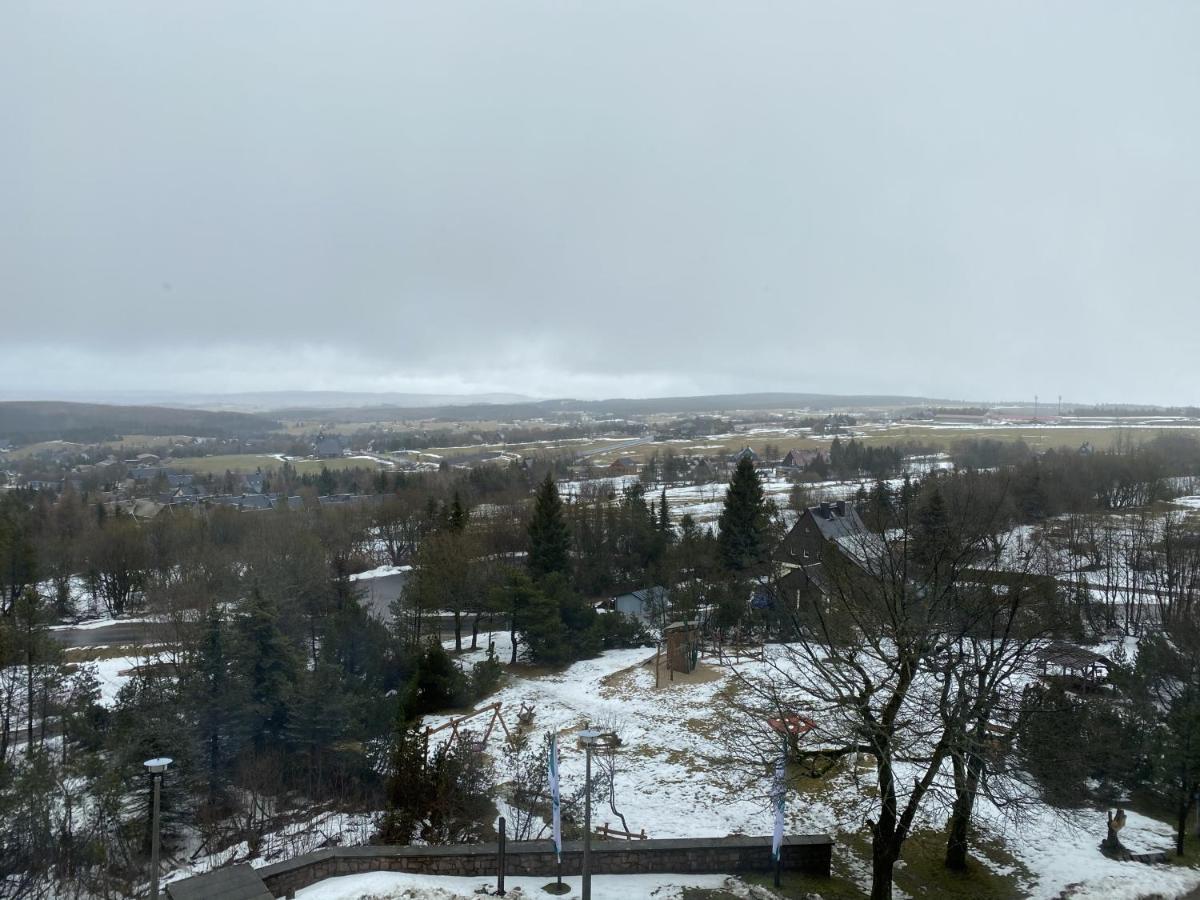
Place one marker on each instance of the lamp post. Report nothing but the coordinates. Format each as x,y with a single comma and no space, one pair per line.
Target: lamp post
589,737
156,767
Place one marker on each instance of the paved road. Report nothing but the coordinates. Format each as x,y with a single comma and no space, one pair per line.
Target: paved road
117,634
636,442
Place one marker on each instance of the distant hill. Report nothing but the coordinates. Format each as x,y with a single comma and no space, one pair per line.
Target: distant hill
617,407
26,421
259,401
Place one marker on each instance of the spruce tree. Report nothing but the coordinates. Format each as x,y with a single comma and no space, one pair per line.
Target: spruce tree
409,790
549,539
456,518
268,666
744,522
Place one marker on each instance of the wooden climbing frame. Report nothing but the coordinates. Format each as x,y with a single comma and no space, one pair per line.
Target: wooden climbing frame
455,721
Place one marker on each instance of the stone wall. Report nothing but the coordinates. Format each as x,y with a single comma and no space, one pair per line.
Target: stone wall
806,853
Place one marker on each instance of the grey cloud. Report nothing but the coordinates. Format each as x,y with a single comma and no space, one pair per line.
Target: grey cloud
962,200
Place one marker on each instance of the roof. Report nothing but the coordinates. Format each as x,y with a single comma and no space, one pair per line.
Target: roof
840,524
1060,653
646,594
836,521
800,458
239,882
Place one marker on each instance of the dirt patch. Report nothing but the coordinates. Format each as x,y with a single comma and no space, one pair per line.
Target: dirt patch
702,674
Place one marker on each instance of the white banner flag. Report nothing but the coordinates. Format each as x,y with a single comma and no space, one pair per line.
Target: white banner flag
779,793
554,798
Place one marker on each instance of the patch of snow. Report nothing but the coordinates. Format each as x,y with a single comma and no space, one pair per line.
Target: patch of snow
380,572
401,886
102,623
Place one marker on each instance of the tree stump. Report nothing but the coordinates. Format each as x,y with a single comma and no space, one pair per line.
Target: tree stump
1112,842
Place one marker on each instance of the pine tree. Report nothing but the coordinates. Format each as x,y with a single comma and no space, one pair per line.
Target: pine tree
216,701
549,538
664,518
932,534
408,789
456,518
744,522
268,667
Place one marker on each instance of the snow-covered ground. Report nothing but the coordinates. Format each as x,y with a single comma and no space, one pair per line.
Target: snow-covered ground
671,783
397,886
380,572
103,622
114,672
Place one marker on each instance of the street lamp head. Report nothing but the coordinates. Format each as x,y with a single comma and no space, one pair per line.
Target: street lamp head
158,765
590,737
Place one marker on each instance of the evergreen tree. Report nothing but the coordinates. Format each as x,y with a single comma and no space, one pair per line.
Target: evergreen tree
514,599
932,534
456,518
560,625
437,684
745,522
216,700
267,665
549,538
408,788
318,714
326,482
543,631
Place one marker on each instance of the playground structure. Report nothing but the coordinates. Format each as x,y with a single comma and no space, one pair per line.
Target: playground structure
682,640
731,654
456,731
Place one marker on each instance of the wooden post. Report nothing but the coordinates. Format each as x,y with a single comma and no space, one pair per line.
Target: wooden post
500,861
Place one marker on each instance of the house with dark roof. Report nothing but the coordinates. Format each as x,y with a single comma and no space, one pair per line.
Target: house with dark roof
746,452
624,465
798,459
328,447
824,535
247,502
146,473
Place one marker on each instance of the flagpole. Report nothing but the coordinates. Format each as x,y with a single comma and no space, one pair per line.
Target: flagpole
555,807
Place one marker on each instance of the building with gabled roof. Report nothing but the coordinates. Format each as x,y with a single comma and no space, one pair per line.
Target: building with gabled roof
823,534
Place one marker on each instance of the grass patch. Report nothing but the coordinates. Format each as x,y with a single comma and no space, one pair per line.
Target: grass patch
921,871
924,871
800,886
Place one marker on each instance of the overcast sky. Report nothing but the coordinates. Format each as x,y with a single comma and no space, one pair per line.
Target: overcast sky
965,200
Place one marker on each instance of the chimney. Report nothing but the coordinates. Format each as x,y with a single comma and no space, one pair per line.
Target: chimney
841,507
825,509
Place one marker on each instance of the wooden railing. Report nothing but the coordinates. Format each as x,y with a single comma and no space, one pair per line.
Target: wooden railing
605,833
